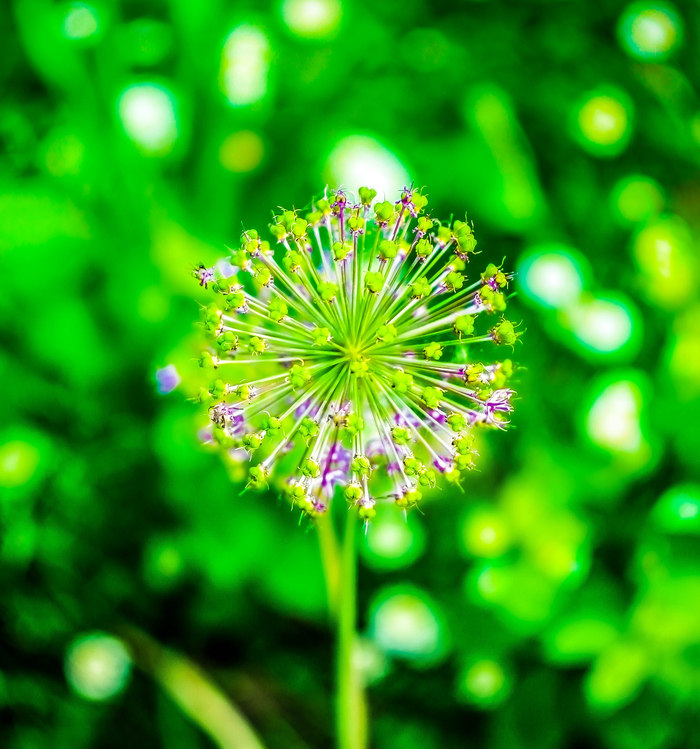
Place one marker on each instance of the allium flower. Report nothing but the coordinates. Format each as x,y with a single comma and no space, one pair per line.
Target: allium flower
337,353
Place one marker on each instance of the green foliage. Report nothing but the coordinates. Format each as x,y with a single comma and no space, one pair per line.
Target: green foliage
554,602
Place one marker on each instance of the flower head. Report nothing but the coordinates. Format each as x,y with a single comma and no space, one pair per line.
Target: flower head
337,352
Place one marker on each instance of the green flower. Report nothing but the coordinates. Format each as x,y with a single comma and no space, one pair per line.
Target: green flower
336,354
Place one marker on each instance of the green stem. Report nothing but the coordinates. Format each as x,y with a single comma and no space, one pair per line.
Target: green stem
351,709
330,560
193,691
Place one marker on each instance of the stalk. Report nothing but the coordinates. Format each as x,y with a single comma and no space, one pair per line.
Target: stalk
351,709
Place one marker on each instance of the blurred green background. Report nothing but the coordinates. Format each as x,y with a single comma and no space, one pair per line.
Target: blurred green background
556,603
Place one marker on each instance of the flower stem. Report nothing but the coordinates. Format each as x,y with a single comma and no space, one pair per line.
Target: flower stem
351,708
330,560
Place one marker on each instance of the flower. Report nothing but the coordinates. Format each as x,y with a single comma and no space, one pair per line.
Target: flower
337,351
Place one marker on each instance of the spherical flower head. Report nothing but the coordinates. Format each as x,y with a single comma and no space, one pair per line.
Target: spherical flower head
337,352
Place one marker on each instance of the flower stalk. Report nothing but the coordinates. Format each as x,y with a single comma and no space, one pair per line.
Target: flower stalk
351,718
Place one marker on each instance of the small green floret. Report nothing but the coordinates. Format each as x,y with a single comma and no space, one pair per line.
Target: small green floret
420,288
222,438
257,478
235,300
366,512
298,376
383,212
327,291
504,333
463,325
464,462
374,281
387,333
401,381
360,465
353,424
252,441
218,389
463,443
243,392
296,493
387,250
320,336
496,275
412,466
292,261
298,228
428,478
423,248
401,435
356,224
257,345
341,250
457,422
271,425
277,309
227,341
308,429
352,493
433,351
424,224
359,366
367,195
454,281
495,301
262,277
409,498
474,373
311,468
207,361
431,396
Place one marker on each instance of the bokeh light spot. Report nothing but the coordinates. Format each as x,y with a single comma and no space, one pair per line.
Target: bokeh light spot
359,160
18,463
370,660
80,21
167,379
636,198
578,639
551,276
650,31
684,357
163,563
97,666
245,65
242,151
487,582
485,533
391,542
483,683
147,113
613,422
603,121
664,253
603,325
312,18
617,674
678,510
404,622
